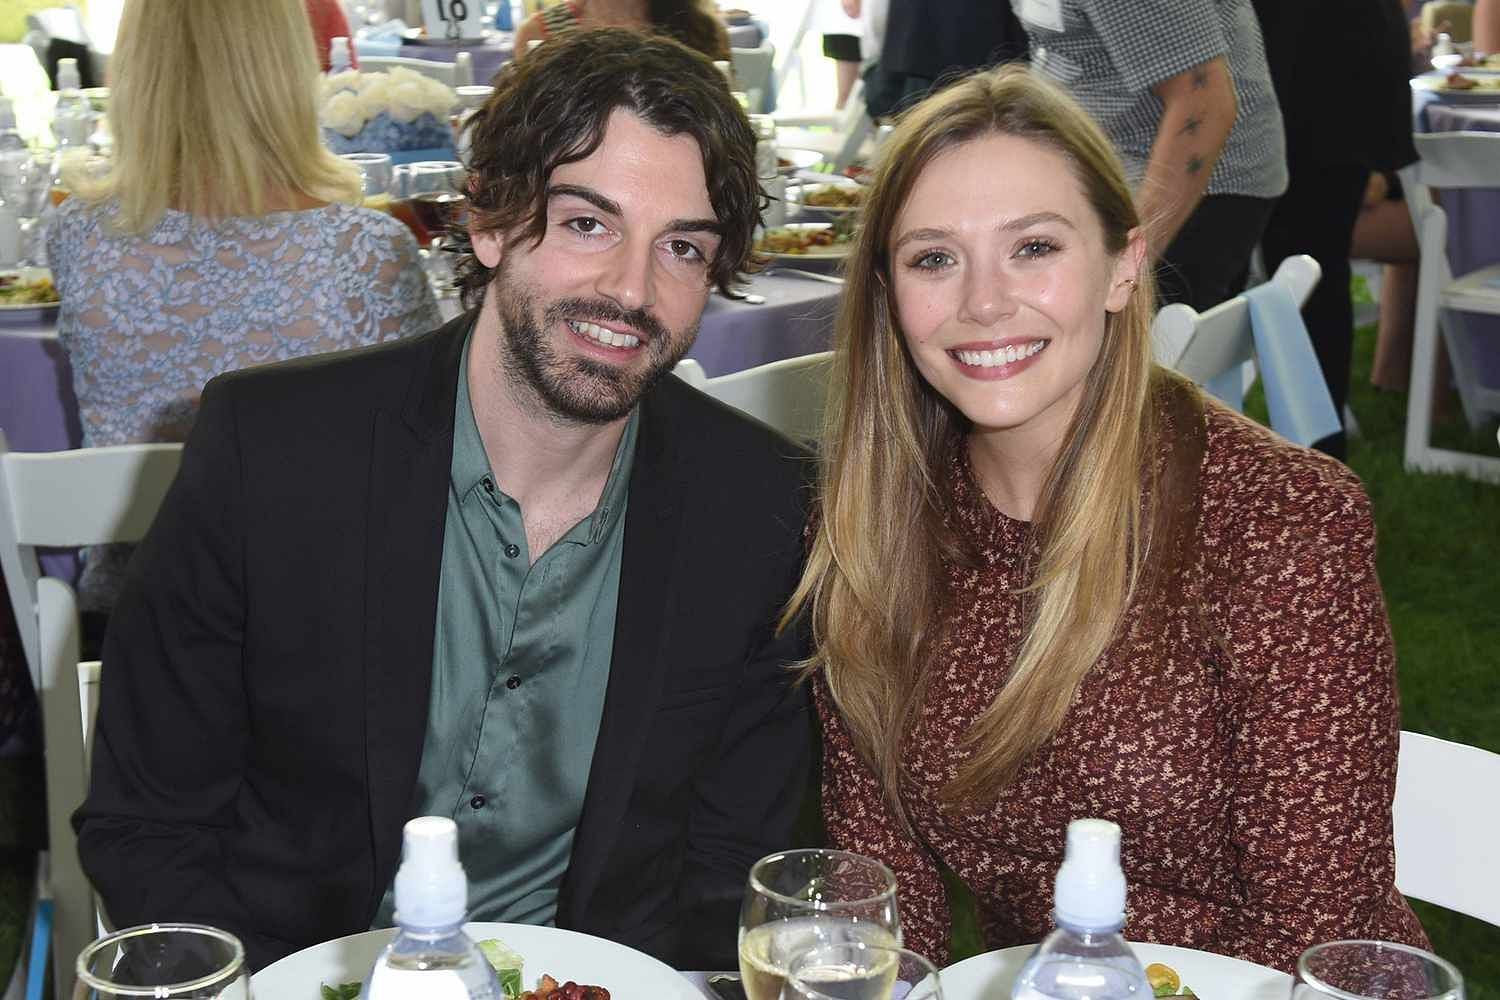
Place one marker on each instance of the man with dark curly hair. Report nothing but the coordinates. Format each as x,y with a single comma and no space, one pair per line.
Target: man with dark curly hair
511,572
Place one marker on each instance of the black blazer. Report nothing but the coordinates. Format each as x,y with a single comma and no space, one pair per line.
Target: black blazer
268,665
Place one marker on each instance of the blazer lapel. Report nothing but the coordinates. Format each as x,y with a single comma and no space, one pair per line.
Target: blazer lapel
653,534
411,455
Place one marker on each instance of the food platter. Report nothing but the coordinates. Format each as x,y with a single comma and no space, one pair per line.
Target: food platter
811,241
1206,974
31,277
835,197
1485,89
627,974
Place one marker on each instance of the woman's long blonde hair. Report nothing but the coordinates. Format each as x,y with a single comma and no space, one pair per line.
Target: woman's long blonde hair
874,575
213,108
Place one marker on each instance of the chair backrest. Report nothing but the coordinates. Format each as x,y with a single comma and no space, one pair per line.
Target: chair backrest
1446,812
752,72
788,394
442,72
1458,159
1203,346
87,497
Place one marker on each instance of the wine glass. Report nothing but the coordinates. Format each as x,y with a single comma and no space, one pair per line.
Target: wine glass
859,971
1374,970
800,900
167,961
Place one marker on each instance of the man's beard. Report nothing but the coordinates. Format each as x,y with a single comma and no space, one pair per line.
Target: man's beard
572,389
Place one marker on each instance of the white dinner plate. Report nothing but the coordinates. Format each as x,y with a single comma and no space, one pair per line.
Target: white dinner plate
28,274
1211,977
790,159
564,955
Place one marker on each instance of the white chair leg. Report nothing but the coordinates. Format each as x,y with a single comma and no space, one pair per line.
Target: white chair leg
1424,347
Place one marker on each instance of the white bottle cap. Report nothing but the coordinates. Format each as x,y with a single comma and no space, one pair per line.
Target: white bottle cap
67,74
338,51
431,888
1090,889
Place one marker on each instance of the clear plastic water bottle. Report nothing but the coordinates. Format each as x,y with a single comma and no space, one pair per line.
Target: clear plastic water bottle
1087,957
73,117
431,958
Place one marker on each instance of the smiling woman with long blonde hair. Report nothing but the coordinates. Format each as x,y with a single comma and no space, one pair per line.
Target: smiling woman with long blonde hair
1051,580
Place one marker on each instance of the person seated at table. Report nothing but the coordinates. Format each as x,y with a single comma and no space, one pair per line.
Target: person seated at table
512,571
224,234
694,23
1118,598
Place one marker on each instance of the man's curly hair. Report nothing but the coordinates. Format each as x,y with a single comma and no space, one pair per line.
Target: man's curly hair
552,107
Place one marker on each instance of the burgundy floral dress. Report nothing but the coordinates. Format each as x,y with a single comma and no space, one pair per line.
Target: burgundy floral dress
1242,733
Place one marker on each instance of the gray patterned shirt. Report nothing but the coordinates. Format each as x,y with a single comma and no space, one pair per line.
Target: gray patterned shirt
1109,54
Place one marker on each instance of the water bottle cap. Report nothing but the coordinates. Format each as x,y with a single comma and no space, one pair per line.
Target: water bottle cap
431,888
1090,889
67,74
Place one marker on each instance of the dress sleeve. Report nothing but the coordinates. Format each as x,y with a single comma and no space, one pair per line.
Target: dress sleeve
1318,730
858,819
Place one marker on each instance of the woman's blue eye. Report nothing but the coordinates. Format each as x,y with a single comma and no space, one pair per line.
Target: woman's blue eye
932,260
1036,248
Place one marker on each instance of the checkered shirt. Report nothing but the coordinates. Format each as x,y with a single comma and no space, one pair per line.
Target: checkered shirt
1110,54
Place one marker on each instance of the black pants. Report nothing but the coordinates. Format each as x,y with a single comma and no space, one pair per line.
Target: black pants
1209,259
1316,216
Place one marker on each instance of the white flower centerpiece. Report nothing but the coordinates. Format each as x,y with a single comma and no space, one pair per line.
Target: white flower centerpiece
385,112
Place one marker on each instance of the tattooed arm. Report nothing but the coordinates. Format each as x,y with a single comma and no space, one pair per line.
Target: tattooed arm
1199,109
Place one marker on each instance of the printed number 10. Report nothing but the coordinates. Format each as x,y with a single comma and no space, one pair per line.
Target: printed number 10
459,9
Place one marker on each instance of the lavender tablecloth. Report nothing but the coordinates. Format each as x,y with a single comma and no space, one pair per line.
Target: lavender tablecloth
1473,215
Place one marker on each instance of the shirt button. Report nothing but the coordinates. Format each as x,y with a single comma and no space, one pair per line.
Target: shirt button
512,550
513,681
477,802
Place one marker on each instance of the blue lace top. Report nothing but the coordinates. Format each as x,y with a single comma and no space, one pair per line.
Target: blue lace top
147,320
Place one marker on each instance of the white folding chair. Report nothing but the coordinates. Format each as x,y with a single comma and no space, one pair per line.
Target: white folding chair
1216,349
1446,812
442,72
752,73
91,496
789,394
1449,160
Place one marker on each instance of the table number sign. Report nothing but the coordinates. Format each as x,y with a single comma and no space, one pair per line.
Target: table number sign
453,19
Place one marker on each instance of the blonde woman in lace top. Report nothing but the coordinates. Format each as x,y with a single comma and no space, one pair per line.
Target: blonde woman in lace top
224,235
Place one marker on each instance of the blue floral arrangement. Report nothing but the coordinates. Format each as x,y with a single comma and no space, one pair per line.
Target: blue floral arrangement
385,112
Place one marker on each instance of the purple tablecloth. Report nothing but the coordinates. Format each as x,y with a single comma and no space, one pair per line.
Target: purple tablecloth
1473,215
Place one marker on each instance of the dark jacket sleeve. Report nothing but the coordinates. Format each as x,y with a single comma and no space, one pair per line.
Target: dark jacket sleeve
162,796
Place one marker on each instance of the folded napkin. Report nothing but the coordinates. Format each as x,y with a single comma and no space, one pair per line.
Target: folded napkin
1300,408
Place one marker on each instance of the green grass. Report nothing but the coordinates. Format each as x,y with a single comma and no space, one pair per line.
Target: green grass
1439,563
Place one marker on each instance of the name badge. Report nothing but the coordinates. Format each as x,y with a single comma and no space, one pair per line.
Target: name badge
1043,13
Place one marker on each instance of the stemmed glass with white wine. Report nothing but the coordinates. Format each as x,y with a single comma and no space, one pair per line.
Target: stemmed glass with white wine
797,901
165,961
